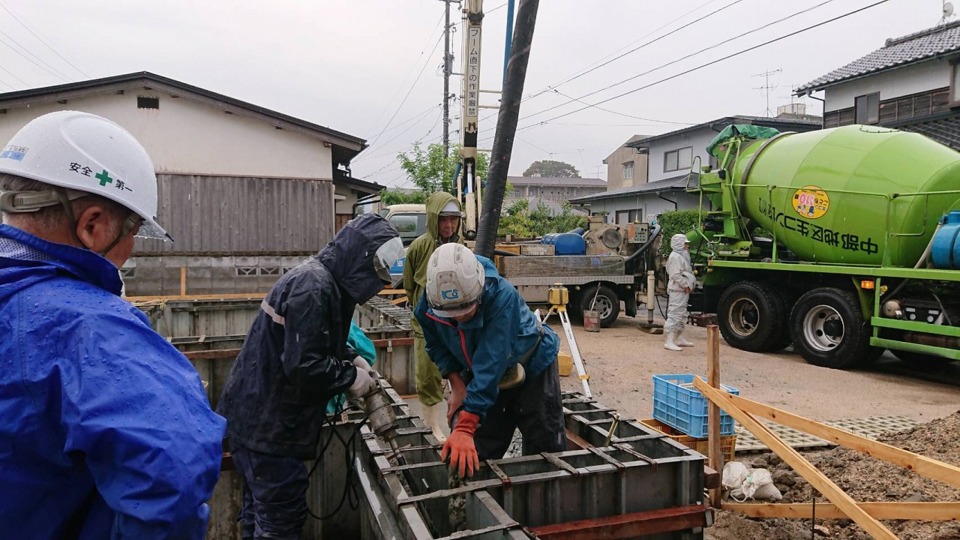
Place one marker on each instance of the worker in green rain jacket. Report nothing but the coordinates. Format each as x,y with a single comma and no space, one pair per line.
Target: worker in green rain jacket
443,223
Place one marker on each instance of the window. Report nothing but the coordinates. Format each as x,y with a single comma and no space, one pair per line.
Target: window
675,160
867,108
626,217
148,102
628,170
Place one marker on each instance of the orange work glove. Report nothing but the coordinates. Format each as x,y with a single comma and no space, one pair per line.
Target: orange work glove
460,446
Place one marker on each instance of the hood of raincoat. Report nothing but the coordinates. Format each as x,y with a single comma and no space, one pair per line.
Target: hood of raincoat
349,256
677,242
434,204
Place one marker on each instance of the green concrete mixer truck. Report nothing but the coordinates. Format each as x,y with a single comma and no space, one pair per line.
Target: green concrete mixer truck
844,242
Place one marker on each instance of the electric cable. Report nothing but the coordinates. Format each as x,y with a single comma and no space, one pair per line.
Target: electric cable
696,53
395,137
349,488
414,85
14,15
38,62
412,67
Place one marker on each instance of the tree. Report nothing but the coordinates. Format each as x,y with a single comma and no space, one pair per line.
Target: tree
550,168
430,172
518,220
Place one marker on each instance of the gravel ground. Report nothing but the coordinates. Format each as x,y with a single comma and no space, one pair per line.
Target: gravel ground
621,361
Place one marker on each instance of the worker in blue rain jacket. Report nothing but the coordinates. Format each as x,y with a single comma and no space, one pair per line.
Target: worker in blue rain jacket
105,429
501,361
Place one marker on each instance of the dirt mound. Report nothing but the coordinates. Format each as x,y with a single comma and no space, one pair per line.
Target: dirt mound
865,479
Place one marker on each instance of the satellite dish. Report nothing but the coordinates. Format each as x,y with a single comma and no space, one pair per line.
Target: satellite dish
947,9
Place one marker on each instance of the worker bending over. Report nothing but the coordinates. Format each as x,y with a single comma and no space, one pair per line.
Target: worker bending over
294,359
500,361
443,222
105,429
680,281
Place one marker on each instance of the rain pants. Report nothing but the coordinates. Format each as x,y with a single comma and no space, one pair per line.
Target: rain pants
105,430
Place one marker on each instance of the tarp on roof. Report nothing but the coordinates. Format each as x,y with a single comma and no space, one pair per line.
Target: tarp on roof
733,130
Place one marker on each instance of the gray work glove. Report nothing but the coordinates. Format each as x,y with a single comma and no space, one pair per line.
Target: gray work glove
366,381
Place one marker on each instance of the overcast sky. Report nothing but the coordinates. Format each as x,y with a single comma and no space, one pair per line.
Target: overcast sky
373,68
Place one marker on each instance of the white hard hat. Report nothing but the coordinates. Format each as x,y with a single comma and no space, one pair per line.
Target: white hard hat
452,208
454,280
84,152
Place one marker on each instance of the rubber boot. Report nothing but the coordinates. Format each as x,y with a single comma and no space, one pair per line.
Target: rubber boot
435,416
670,345
682,341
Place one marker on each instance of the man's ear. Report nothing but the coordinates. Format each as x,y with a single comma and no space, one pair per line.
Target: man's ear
95,228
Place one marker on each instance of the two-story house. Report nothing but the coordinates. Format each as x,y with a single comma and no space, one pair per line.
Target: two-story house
672,161
625,167
911,83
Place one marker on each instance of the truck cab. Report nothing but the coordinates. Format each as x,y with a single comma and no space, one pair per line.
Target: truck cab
410,220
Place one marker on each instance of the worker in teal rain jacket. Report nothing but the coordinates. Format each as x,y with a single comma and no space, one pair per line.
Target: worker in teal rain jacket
500,360
105,430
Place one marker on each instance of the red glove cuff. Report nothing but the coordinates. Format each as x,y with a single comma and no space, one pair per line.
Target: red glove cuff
467,423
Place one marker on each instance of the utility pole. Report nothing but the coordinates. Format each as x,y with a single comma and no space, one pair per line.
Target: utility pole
767,88
446,84
506,126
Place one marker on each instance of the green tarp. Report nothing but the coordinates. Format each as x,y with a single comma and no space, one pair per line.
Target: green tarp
733,130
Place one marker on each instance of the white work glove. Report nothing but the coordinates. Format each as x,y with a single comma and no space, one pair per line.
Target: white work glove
366,381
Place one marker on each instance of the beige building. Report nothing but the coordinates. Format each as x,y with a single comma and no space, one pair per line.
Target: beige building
626,166
553,191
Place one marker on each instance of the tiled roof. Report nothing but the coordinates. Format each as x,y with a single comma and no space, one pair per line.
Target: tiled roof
909,49
945,131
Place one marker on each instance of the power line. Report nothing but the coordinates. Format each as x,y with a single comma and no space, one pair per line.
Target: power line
652,41
690,55
418,117
14,15
711,63
409,73
44,66
14,76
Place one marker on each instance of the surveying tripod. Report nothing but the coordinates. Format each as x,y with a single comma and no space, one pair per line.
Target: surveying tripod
559,297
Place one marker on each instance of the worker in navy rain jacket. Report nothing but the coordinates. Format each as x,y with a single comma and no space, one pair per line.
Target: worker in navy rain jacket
500,360
294,359
105,430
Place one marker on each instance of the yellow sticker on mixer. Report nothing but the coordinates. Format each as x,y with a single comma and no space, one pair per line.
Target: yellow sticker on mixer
811,202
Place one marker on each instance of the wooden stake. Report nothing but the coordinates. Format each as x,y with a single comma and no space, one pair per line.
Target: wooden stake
924,511
793,458
183,281
930,468
715,454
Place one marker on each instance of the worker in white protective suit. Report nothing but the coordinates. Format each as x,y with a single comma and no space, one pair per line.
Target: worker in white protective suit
680,281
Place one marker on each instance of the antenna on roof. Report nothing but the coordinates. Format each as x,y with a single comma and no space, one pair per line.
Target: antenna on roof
947,12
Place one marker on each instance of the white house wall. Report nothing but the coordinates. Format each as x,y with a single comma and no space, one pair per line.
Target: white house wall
649,205
891,84
185,136
697,140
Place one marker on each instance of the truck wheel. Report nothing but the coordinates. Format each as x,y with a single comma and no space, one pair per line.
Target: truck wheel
751,317
607,305
829,330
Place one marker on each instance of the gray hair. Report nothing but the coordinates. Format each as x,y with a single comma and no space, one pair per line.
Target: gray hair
51,217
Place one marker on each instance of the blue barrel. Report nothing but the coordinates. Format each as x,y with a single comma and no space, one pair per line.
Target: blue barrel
946,244
569,244
549,239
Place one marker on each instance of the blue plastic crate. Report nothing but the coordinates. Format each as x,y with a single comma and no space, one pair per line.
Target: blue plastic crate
685,409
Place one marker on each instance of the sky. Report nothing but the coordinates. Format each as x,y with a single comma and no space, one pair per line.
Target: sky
600,71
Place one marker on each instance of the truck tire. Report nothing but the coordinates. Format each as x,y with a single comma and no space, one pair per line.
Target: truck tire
829,330
607,305
751,317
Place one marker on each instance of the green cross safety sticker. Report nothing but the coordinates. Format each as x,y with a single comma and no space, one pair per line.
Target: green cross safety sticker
104,178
